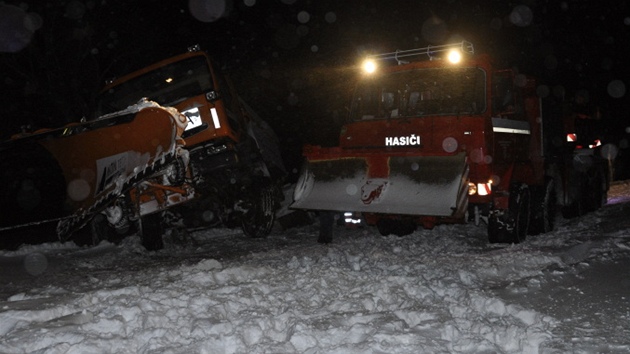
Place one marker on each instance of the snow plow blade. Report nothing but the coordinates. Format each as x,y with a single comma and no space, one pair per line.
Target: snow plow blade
405,185
68,174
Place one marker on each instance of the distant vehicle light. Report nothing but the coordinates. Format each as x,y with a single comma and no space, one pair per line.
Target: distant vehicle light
369,66
454,56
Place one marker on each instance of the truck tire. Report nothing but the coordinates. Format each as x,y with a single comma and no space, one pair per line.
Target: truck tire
497,232
579,197
397,227
512,225
544,209
519,210
258,221
384,227
326,223
573,210
100,229
151,231
593,194
95,231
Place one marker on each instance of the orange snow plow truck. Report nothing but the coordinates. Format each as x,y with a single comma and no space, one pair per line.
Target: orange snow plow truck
447,140
171,142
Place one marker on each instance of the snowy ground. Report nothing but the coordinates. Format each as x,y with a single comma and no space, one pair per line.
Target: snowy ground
439,291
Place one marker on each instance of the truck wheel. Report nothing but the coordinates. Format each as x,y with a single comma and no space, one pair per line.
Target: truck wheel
543,209
95,231
497,231
326,222
578,205
519,208
593,194
397,227
512,225
258,221
99,229
151,230
384,227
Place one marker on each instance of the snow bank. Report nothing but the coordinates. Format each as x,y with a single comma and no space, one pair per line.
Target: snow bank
439,291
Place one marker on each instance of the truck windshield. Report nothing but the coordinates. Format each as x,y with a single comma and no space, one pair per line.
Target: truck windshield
168,86
421,92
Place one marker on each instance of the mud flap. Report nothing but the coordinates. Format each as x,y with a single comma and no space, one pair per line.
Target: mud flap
405,185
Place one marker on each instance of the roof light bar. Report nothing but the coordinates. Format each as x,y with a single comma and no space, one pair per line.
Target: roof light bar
430,51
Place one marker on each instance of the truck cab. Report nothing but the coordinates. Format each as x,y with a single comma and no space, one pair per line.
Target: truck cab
235,164
190,83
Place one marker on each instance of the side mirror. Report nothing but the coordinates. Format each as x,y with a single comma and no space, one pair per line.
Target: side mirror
212,96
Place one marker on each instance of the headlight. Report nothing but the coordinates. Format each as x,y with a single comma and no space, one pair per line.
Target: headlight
194,118
369,66
454,56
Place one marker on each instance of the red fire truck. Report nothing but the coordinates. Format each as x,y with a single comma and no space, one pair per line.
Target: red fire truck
447,139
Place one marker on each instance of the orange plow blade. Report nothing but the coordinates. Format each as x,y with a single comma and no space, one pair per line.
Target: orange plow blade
406,185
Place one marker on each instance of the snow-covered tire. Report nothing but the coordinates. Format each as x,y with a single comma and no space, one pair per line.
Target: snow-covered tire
544,209
95,231
151,231
497,233
100,229
258,221
511,226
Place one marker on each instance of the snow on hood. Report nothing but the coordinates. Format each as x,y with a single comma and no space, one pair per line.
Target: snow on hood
179,119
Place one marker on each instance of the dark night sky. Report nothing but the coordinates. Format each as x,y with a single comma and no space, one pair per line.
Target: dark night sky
293,60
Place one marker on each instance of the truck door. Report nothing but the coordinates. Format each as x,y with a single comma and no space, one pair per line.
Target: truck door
509,121
234,114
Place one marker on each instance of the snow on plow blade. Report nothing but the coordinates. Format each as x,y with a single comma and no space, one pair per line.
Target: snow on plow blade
406,185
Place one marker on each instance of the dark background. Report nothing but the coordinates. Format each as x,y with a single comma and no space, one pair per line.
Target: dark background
294,60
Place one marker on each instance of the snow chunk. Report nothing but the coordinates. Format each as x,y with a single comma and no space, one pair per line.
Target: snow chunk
207,265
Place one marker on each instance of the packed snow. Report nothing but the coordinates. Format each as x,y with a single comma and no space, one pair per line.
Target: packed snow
444,290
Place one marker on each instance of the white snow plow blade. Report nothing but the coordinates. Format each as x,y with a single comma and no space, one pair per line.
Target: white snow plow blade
433,185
